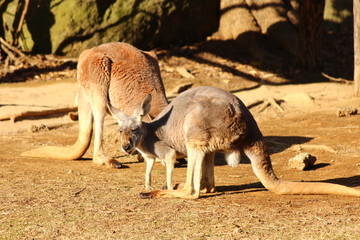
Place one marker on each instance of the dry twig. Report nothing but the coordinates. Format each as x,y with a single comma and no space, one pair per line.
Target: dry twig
333,79
21,23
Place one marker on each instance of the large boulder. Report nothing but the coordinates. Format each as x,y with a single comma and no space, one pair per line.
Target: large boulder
68,27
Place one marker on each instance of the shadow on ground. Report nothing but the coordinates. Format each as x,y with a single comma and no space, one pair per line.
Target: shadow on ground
353,181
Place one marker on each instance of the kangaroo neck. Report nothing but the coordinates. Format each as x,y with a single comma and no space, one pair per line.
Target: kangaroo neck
148,140
152,143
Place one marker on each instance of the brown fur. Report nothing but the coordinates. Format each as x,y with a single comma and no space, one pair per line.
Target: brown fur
198,123
115,72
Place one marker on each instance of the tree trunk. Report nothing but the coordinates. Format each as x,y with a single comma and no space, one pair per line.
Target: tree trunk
237,23
356,9
310,32
271,15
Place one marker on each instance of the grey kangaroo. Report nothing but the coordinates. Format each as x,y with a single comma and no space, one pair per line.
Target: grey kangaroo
196,124
117,73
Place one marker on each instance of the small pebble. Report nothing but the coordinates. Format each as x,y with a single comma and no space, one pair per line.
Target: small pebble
346,112
38,128
302,161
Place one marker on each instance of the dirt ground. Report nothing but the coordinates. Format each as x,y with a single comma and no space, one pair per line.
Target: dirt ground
55,199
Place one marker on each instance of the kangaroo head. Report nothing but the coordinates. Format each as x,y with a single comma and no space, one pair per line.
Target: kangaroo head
131,127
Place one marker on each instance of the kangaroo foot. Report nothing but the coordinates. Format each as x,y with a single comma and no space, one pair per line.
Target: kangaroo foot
169,194
148,195
113,163
207,190
109,162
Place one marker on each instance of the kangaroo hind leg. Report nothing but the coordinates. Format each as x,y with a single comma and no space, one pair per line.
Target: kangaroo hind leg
194,171
207,178
99,109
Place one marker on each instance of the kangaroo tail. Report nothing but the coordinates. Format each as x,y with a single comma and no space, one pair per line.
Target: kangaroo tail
262,167
82,143
64,153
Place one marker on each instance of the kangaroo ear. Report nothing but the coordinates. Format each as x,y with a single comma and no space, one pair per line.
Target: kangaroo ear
117,114
143,109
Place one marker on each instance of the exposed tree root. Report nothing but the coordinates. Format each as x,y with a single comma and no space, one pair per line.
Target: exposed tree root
266,103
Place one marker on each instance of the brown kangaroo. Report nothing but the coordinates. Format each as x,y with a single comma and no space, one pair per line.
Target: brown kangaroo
198,123
117,73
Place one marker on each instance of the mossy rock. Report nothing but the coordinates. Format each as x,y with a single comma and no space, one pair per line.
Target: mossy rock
68,27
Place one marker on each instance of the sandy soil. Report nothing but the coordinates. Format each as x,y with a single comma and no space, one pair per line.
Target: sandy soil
55,199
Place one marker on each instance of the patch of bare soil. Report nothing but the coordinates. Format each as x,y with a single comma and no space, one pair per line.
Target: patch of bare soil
55,199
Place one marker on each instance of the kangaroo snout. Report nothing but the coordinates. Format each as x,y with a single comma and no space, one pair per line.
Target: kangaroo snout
128,148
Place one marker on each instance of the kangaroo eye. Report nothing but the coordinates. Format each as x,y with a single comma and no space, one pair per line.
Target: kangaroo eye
120,130
136,130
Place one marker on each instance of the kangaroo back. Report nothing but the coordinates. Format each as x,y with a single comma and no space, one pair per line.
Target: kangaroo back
134,74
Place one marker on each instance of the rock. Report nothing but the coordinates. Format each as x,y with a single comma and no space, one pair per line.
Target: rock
38,128
68,27
346,112
302,161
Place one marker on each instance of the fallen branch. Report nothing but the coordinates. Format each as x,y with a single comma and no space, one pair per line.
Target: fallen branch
333,79
12,48
41,113
11,51
10,54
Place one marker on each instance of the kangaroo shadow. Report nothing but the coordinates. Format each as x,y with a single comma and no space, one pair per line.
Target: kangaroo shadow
278,144
275,144
353,181
245,188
